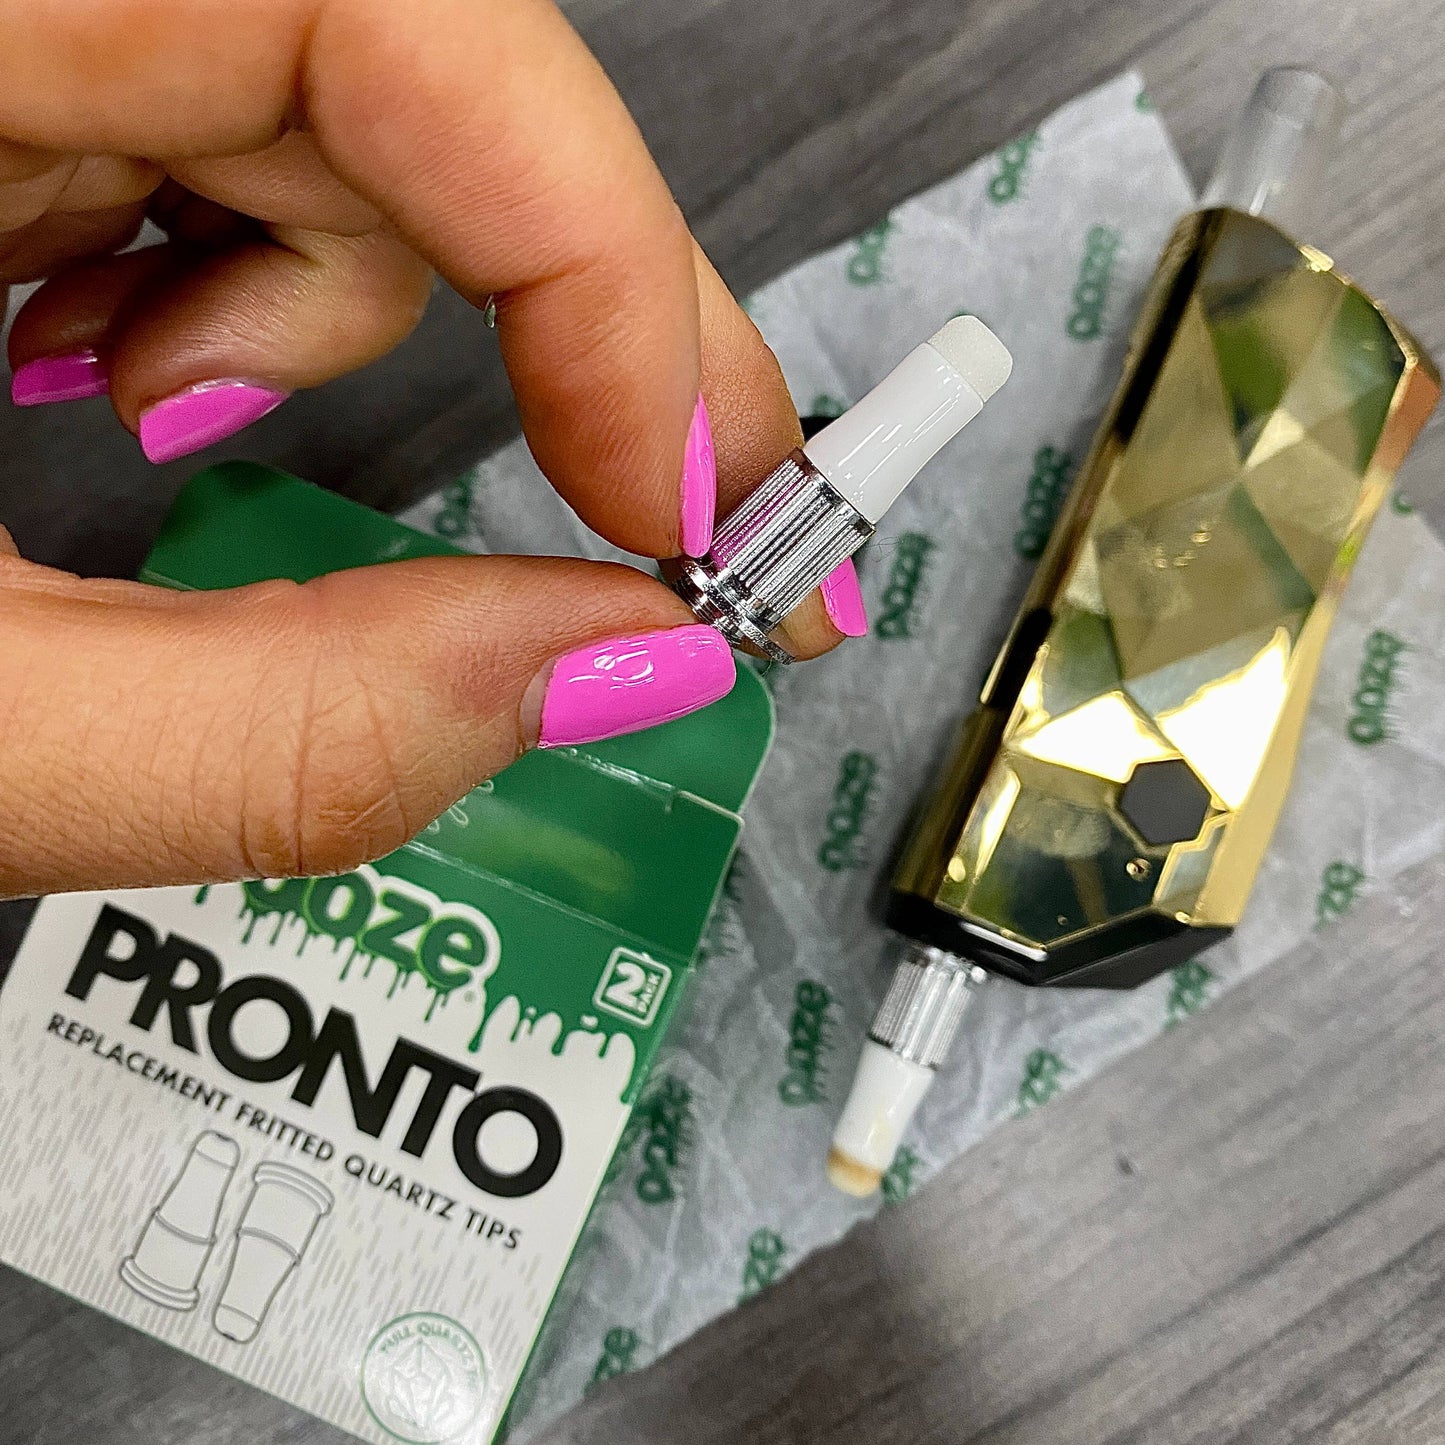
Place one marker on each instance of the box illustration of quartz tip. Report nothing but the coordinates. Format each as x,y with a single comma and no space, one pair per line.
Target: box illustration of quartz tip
338,1136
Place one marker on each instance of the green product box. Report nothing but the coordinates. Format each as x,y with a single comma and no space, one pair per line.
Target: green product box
339,1136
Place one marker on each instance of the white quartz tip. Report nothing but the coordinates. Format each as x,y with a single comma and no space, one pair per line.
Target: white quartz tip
975,353
850,1177
886,1093
877,447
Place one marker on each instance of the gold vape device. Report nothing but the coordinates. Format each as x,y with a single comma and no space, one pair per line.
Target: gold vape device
1108,804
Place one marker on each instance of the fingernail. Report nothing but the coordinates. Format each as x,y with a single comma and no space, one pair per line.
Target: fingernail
699,484
843,600
59,378
202,414
623,684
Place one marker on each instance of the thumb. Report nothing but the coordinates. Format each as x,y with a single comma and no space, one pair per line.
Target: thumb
153,737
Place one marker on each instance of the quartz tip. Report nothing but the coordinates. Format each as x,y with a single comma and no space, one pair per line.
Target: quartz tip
876,448
847,1175
975,353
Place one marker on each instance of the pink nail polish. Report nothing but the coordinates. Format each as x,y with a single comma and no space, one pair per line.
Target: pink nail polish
624,684
59,378
699,484
202,414
843,600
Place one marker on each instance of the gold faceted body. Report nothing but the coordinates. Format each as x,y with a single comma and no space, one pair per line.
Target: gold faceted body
1111,800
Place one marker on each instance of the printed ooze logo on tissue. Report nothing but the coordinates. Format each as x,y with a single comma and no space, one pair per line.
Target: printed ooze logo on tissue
1091,291
865,265
619,1350
902,1176
1013,160
663,1120
1043,1078
810,1040
1369,723
454,516
1338,889
1045,495
764,1264
905,583
849,811
1189,987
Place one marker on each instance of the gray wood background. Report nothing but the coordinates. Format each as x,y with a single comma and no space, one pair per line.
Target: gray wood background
1234,1235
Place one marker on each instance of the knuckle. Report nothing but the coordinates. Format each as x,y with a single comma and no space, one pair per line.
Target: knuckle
369,293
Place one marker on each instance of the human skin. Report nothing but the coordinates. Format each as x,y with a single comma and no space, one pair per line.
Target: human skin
313,163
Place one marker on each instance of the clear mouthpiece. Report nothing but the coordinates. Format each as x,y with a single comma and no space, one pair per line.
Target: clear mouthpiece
1274,160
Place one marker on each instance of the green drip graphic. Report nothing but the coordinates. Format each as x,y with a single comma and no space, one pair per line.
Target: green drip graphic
448,943
254,910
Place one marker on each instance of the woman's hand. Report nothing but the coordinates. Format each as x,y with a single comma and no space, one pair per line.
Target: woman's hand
311,162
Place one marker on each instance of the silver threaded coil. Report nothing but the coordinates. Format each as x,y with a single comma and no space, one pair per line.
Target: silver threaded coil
925,1003
770,552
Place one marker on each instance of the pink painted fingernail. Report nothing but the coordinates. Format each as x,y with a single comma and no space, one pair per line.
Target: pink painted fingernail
59,378
624,684
699,484
843,600
202,414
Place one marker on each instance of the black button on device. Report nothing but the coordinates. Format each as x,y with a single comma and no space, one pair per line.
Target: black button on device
1164,802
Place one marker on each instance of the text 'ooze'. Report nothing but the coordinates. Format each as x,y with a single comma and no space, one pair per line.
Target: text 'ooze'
1370,722
449,944
619,1348
1045,495
848,812
906,577
1013,160
663,1118
1091,290
764,1264
809,1041
185,982
454,516
865,265
1339,885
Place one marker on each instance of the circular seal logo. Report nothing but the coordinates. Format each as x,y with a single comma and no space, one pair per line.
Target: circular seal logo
424,1379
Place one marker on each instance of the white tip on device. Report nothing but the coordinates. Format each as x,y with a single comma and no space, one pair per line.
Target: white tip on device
975,353
886,1093
876,448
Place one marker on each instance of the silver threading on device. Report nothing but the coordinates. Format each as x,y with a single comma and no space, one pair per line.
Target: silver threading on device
770,552
925,1003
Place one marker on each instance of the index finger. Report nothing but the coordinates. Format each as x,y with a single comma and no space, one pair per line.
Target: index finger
491,139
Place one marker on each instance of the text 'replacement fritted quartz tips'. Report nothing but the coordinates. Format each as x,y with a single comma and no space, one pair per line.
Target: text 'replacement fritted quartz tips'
823,501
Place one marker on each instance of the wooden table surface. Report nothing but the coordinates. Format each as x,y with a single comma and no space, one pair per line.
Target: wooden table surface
1236,1234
